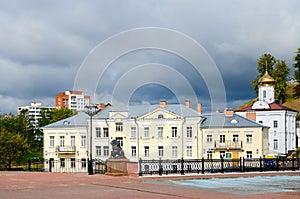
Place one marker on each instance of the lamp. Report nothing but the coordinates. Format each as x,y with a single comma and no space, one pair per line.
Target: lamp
91,110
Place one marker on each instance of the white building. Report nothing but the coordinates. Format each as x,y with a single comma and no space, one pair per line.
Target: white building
298,133
280,119
34,112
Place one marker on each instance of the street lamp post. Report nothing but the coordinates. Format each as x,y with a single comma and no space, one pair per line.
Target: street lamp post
91,110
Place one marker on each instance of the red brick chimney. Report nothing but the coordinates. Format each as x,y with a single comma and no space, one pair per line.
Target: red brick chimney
187,103
251,115
163,103
199,108
228,113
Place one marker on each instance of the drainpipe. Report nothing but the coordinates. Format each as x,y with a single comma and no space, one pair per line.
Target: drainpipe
138,139
108,131
200,123
285,134
182,134
262,142
198,128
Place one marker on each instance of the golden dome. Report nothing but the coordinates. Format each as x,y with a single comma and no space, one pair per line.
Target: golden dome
266,80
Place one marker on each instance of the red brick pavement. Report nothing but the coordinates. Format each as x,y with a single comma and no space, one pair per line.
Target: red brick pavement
66,185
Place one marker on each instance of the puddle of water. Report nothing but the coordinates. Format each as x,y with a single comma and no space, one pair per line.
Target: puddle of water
243,185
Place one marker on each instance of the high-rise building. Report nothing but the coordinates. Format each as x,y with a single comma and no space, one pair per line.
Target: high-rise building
34,112
74,100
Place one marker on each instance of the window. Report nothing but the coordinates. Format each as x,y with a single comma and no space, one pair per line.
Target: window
235,138
62,162
228,155
189,131
275,123
83,163
106,151
105,132
264,94
260,122
73,141
160,131
249,138
174,151
275,144
72,162
98,150
146,150
222,138
249,154
146,132
133,151
133,132
160,116
119,126
51,144
208,138
51,162
222,154
189,151
62,141
83,141
209,154
98,132
160,151
120,140
174,132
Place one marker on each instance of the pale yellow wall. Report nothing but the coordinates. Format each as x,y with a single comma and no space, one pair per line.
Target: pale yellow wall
51,152
258,146
151,120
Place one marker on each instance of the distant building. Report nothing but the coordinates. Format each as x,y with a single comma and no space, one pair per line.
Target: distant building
34,112
280,119
74,100
292,80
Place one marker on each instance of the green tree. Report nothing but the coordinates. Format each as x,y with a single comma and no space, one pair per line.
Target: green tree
60,114
48,117
266,61
278,70
280,74
297,65
12,146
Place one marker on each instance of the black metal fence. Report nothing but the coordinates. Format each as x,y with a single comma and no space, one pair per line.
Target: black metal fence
68,165
74,166
29,165
182,166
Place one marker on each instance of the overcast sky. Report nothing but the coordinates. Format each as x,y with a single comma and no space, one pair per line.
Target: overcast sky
44,43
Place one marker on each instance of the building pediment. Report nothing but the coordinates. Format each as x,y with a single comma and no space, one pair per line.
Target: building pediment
260,105
118,115
160,113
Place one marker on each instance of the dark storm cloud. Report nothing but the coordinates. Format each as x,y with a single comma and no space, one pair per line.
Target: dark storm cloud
42,44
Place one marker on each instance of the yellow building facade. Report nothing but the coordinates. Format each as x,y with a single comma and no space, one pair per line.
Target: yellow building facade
166,131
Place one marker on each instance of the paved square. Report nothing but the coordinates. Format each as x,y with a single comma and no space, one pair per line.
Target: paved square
67,185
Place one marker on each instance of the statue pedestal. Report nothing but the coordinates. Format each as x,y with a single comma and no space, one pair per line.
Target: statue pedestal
117,167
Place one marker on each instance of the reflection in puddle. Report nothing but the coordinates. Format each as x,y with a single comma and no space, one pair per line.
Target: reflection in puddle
244,185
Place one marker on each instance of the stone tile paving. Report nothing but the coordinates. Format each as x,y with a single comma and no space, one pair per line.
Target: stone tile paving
66,185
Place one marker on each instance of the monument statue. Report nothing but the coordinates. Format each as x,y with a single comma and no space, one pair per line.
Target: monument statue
117,152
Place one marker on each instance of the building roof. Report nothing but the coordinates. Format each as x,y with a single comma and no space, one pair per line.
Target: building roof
135,111
220,120
266,80
273,107
80,119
